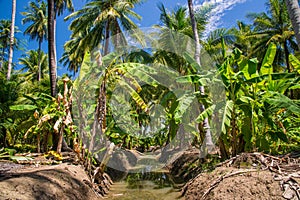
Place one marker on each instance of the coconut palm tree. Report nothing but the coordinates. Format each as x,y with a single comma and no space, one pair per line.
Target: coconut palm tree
55,7
104,19
4,38
208,137
274,26
173,28
60,7
5,28
35,64
52,46
219,42
294,13
97,22
36,14
12,36
74,51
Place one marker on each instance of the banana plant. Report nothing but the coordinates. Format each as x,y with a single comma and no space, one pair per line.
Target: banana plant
249,121
48,116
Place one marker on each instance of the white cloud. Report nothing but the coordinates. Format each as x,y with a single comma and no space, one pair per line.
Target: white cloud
220,6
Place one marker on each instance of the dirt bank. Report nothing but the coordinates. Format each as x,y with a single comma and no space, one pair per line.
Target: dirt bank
248,176
26,182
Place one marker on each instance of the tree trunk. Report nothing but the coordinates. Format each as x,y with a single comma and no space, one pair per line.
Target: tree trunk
54,42
2,57
51,46
208,139
12,37
39,61
286,54
294,13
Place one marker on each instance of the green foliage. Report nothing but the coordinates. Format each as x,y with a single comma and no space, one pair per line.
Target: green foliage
255,108
266,67
260,112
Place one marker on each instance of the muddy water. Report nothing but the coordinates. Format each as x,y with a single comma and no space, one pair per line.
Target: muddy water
156,185
147,190
148,180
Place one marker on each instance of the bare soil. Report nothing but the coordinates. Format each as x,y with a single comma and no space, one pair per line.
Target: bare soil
28,182
249,185
248,176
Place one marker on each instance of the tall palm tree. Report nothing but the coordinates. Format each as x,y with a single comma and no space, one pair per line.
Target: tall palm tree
52,46
274,26
97,22
55,7
36,14
173,28
94,24
35,64
208,137
294,13
219,41
12,36
4,39
74,51
60,7
5,28
103,19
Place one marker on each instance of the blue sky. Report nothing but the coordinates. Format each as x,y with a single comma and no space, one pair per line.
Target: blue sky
226,13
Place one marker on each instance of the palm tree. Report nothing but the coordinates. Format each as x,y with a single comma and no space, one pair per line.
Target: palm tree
51,47
37,15
174,28
55,7
274,26
4,38
35,64
74,51
60,6
219,41
294,13
208,137
5,28
97,21
103,19
12,36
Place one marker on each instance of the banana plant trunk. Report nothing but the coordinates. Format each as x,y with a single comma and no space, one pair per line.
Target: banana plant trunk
294,13
11,39
208,138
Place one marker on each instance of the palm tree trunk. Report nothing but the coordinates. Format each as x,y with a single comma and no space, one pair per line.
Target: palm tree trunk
294,13
208,138
287,53
54,42
12,37
106,45
101,110
195,31
2,58
51,46
39,61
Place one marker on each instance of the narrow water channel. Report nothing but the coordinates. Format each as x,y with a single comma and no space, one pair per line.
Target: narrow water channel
145,186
